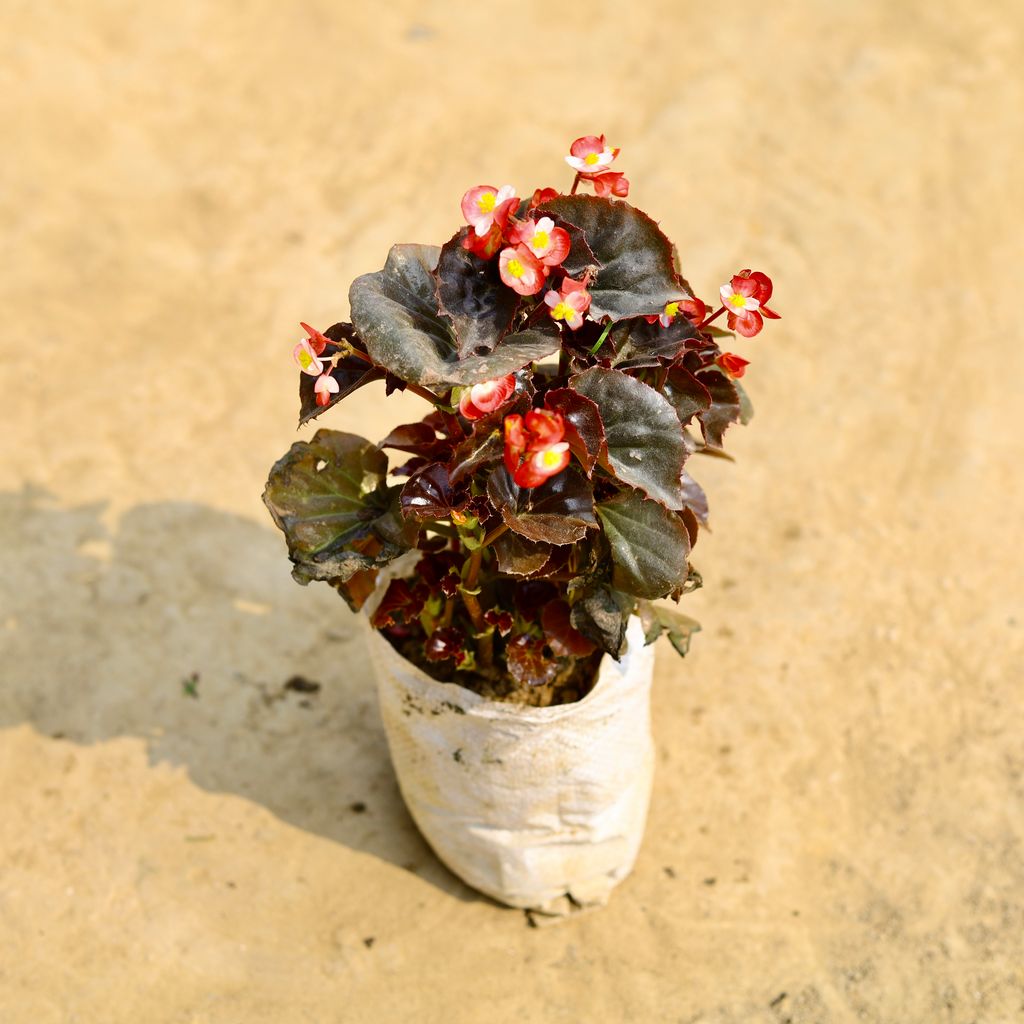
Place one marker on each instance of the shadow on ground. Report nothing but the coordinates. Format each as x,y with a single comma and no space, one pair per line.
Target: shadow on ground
184,628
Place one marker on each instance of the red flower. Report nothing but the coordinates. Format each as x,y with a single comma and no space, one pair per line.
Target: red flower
484,247
541,196
745,298
543,429
534,449
590,155
515,442
480,399
317,341
549,244
732,365
485,206
611,183
570,303
543,464
693,309
521,270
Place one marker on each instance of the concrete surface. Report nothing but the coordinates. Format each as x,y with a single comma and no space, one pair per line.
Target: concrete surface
837,819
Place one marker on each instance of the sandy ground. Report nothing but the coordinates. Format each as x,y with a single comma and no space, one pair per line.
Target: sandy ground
837,822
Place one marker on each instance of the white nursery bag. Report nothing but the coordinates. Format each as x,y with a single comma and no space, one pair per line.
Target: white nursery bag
538,807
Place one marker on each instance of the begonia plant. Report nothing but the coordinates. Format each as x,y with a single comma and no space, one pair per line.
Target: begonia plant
570,373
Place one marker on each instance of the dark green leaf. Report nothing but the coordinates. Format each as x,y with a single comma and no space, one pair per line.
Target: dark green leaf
724,410
645,443
689,519
429,494
639,344
636,275
518,556
420,439
695,499
657,620
558,512
564,639
471,292
687,395
395,312
650,545
327,495
580,257
601,614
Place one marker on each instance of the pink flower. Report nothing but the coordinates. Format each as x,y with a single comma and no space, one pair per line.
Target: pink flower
521,270
480,399
549,244
590,155
485,205
745,297
570,303
324,387
308,350
305,355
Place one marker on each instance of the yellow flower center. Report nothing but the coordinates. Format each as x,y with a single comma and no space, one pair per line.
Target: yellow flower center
305,360
515,268
591,158
486,202
540,239
737,300
671,309
550,458
563,311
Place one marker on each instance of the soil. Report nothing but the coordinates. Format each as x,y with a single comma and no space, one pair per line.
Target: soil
183,839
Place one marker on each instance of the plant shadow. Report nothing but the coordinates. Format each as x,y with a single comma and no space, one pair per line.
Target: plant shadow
183,627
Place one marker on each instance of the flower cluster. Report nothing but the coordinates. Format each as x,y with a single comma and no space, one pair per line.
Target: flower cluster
571,374
307,354
590,157
529,248
535,448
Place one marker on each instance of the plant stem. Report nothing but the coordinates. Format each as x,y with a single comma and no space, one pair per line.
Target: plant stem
714,316
414,388
575,184
604,334
485,643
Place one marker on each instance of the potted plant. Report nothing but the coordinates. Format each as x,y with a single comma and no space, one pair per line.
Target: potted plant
509,553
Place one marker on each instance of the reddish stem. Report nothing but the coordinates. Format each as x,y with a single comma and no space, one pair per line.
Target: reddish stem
414,388
714,316
575,184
